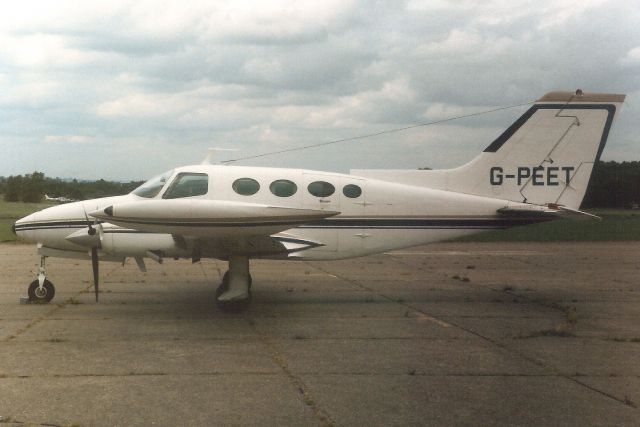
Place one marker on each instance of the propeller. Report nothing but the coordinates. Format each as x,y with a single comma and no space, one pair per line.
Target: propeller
94,264
94,250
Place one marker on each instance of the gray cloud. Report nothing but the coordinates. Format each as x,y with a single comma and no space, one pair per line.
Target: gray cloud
124,90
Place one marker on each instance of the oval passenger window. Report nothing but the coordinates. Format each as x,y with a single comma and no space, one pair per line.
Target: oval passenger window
352,191
246,186
283,188
321,189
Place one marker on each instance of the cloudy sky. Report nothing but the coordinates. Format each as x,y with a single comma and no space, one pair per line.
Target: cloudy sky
125,90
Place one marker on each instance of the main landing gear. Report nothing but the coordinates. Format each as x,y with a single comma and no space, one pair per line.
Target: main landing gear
234,293
41,290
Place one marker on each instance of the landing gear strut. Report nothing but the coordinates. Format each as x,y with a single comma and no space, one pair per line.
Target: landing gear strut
41,290
234,293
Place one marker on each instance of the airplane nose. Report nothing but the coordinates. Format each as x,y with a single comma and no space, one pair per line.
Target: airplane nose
22,230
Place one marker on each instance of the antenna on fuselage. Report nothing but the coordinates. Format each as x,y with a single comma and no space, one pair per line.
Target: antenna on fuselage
211,154
370,135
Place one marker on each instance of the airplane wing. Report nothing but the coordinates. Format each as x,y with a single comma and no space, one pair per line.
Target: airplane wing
207,218
218,228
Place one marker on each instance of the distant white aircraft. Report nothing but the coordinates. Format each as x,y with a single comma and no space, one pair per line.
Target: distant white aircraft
535,171
59,199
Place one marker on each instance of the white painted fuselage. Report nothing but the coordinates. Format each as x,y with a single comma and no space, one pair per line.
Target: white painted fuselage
384,216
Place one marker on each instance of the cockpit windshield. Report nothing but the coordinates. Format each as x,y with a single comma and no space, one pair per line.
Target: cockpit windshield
152,187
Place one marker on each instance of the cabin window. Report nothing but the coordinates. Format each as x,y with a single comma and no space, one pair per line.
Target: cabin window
352,191
246,186
188,184
283,188
152,187
321,189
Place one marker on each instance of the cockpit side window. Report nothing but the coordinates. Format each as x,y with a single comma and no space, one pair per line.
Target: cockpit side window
152,187
187,184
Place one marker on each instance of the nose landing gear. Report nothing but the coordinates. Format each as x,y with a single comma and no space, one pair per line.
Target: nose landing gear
41,290
41,294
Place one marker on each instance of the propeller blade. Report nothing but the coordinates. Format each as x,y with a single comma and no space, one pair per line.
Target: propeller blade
91,230
94,264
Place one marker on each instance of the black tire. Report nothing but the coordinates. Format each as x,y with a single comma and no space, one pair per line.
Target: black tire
41,296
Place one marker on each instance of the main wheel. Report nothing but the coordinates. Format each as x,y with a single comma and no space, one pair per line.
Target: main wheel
41,295
235,306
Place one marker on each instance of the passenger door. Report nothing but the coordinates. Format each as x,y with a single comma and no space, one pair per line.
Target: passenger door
321,192
352,231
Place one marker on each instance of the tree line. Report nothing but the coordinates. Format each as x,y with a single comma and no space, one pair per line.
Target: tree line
31,188
612,185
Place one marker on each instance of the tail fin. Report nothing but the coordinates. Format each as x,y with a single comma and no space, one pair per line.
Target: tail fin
546,156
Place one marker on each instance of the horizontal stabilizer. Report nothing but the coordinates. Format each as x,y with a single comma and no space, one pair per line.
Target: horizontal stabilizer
578,212
549,209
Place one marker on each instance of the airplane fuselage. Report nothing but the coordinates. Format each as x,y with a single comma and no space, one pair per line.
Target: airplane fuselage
370,216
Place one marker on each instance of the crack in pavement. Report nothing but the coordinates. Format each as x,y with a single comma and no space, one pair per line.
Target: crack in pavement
296,381
487,339
48,314
13,421
42,318
311,373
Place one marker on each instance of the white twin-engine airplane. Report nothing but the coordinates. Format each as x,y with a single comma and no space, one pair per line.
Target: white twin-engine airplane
536,170
58,199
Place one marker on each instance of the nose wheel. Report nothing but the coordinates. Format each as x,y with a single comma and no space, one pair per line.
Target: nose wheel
41,290
41,294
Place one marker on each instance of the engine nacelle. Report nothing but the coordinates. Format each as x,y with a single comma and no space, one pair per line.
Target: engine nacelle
122,241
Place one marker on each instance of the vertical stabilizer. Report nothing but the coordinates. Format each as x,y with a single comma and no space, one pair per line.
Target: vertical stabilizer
546,156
